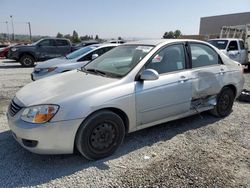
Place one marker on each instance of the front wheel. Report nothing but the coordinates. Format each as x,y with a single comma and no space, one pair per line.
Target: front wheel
27,61
225,101
100,135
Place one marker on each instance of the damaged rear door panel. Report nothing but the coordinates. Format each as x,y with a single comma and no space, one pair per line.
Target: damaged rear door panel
207,71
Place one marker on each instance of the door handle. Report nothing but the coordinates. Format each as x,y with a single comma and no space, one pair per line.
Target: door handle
183,79
222,71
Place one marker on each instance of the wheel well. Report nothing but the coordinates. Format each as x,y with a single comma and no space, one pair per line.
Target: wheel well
119,112
233,89
26,53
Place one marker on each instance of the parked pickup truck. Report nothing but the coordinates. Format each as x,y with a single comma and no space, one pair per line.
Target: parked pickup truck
41,50
233,48
234,41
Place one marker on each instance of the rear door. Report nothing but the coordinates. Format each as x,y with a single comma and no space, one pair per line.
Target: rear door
168,96
243,52
233,51
63,47
207,70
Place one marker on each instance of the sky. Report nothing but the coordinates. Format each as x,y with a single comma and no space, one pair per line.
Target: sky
113,18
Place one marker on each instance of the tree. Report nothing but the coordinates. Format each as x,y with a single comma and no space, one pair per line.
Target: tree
177,34
59,35
96,37
75,37
172,35
119,38
168,35
67,36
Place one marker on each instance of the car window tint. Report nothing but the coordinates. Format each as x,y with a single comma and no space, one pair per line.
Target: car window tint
99,52
62,43
171,58
203,55
242,46
232,46
47,42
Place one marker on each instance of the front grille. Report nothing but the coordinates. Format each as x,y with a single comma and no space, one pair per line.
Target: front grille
14,108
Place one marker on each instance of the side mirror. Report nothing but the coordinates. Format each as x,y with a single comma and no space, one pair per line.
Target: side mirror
94,56
149,74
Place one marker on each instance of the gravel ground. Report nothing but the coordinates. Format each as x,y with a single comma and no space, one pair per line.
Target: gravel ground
199,151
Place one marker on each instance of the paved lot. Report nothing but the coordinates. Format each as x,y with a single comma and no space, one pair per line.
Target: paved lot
192,152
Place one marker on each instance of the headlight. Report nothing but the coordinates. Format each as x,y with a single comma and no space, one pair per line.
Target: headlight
39,114
50,69
13,49
45,70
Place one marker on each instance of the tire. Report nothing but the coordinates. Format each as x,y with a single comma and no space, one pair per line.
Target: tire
27,61
100,135
225,100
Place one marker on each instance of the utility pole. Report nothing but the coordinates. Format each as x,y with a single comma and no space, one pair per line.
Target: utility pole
30,31
13,33
8,33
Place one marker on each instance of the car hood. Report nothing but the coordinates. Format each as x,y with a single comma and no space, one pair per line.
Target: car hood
52,62
55,89
23,46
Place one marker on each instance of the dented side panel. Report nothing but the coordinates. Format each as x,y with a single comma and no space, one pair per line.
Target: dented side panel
207,81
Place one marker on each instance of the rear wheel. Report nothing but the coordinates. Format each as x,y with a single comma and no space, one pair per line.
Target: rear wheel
100,135
225,101
27,61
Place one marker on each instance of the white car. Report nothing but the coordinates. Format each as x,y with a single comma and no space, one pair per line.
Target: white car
74,60
133,86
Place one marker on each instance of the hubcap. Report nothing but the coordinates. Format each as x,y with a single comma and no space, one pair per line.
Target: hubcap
225,101
27,61
103,137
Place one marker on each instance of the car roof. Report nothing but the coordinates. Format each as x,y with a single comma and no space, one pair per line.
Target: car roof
156,42
227,39
104,45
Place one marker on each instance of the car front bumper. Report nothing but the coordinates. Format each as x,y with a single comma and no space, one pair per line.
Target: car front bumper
47,138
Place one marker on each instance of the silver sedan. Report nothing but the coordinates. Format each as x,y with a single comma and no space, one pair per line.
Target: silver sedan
132,87
74,60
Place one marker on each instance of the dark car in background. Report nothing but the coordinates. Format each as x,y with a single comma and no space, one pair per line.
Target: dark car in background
41,50
84,44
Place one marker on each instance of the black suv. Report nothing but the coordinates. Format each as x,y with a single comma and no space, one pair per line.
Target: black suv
41,50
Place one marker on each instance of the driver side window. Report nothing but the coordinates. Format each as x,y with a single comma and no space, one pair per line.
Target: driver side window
47,43
232,46
169,59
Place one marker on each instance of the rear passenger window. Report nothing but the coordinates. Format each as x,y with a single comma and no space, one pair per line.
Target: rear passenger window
62,43
232,46
203,55
171,58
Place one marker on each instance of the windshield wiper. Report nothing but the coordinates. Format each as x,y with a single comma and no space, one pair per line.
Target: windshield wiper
96,71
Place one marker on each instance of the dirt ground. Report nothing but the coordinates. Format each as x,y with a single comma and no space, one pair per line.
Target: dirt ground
198,151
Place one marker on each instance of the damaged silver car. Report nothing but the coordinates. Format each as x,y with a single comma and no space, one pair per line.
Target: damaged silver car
131,87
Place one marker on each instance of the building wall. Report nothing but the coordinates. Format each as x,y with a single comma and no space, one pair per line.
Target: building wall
212,25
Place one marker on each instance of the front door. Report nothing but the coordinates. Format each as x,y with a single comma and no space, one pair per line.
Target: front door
47,49
168,96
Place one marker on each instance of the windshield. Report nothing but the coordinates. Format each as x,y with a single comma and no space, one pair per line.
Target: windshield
35,43
220,44
119,61
79,52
